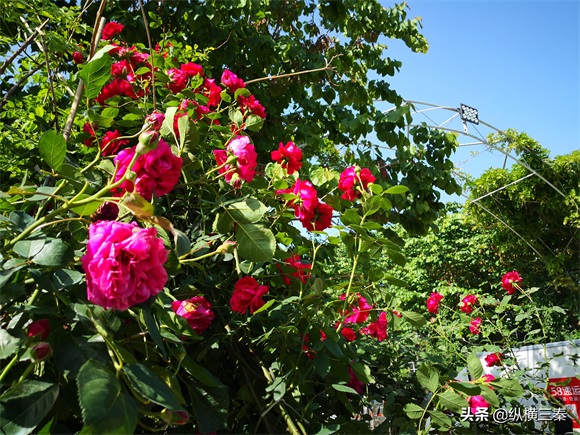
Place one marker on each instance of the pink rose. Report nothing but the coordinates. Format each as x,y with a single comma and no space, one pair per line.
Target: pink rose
494,359
39,327
289,156
433,302
488,378
351,178
243,164
197,312
158,171
123,264
155,120
111,30
360,313
508,280
467,303
476,402
232,81
247,294
474,325
377,329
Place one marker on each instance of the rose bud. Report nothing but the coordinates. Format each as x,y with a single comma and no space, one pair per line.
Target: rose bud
41,351
39,327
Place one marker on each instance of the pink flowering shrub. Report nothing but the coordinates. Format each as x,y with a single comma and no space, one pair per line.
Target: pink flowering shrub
123,264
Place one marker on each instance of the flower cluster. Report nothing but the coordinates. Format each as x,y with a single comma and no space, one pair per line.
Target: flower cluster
354,180
299,268
467,304
313,214
510,281
289,156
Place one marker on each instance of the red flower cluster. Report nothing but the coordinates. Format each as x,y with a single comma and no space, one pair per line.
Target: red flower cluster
353,181
467,303
232,81
377,329
359,313
508,281
433,302
197,312
313,214
289,156
247,294
179,77
299,269
110,143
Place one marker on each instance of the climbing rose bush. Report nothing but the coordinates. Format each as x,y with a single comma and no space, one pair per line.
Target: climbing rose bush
123,264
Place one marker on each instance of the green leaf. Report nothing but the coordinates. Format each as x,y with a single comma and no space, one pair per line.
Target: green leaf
105,408
265,306
52,147
489,395
440,419
278,387
151,387
64,278
30,247
397,190
508,387
395,281
255,243
466,388
87,209
23,409
54,253
210,406
344,388
452,401
428,377
474,366
96,73
8,344
414,412
414,319
254,122
350,216
247,211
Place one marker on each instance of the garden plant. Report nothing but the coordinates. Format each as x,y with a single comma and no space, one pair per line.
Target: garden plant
165,261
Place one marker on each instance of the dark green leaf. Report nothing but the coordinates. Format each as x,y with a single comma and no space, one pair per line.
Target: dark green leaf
23,409
440,419
508,387
414,319
54,253
8,344
30,247
105,407
344,388
466,388
247,211
64,278
150,386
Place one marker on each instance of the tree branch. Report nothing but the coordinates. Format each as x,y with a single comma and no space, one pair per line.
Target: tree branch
22,47
327,67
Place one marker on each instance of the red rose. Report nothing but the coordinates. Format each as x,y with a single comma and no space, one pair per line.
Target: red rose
433,302
111,30
39,327
508,280
78,57
351,178
109,144
467,303
289,156
247,294
494,359
232,81
377,329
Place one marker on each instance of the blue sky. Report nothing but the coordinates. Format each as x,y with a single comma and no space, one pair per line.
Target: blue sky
515,61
